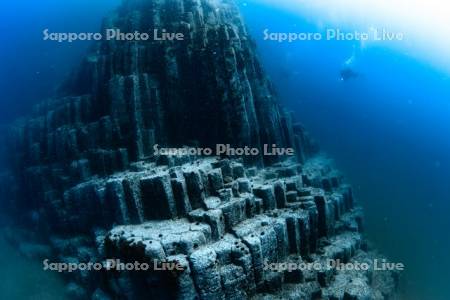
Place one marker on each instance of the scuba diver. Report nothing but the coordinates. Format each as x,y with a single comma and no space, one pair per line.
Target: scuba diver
347,72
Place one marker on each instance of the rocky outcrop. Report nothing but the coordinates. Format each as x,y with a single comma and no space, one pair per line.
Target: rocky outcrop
128,96
227,245
82,172
236,233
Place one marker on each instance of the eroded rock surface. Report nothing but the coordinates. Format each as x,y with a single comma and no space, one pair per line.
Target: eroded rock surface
228,244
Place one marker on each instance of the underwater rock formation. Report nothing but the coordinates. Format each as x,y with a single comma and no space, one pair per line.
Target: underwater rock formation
82,171
127,97
230,235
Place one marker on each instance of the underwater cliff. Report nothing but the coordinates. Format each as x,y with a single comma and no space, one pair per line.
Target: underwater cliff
87,187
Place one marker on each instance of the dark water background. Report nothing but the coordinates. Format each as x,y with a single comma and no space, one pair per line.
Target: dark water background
24,279
31,69
387,130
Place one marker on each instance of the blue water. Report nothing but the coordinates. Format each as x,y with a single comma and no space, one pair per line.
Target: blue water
387,130
31,69
22,279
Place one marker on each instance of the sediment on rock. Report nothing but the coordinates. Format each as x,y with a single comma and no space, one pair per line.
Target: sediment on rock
227,243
